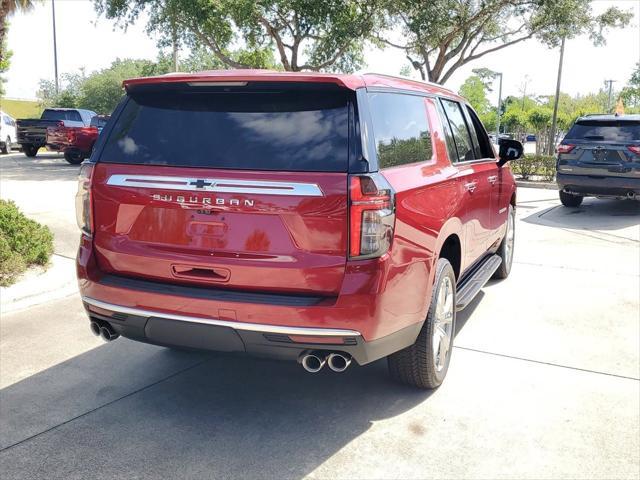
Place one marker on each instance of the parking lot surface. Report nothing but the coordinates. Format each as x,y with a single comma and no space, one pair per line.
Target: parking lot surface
544,380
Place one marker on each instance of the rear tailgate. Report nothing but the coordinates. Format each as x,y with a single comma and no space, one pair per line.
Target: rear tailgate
601,148
226,189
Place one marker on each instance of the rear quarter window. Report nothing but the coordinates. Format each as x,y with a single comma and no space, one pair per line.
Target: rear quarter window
291,131
609,131
401,129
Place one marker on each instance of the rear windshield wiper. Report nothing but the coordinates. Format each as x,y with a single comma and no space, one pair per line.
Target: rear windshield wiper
594,137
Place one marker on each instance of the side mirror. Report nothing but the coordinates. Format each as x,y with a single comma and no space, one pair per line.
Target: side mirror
509,150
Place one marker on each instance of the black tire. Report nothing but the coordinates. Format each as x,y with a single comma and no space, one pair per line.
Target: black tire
30,150
7,145
505,251
74,158
416,365
569,200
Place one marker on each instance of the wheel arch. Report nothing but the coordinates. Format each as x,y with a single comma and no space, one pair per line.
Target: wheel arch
450,245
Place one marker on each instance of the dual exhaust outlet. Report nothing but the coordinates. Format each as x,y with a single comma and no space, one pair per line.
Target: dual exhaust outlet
104,330
313,362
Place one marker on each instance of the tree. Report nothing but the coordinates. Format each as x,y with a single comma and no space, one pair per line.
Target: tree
5,59
8,8
305,34
631,92
475,91
438,37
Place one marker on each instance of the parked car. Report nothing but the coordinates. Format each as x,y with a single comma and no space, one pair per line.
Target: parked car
530,138
321,218
32,133
7,132
600,156
75,142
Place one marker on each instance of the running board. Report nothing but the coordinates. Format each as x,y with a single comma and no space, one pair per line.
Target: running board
469,287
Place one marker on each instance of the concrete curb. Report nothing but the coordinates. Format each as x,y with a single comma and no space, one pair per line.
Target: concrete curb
529,184
39,285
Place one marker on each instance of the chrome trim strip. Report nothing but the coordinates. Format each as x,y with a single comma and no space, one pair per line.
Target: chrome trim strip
253,327
218,185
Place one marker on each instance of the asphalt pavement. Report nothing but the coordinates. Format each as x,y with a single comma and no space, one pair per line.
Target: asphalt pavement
544,380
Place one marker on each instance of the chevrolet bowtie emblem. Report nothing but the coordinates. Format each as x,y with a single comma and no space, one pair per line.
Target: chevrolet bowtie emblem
201,183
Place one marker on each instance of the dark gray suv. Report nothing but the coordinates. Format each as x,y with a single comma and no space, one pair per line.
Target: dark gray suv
600,156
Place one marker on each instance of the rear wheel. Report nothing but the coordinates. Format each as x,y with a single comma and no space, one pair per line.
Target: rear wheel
7,145
30,150
425,363
506,247
569,200
74,158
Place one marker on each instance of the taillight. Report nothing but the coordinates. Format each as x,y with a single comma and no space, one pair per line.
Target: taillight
634,149
372,215
84,215
565,148
71,135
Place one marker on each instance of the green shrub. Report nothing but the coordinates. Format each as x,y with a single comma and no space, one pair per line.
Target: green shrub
23,242
543,166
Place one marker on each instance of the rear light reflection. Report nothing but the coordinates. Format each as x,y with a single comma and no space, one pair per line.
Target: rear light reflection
84,215
565,148
634,149
372,216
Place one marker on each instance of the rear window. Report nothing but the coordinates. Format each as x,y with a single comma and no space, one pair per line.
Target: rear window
296,131
609,131
70,115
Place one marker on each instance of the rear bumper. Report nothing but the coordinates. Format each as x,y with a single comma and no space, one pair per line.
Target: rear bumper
374,314
598,186
274,341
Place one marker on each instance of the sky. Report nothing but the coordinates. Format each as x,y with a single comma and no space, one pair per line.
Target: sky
86,41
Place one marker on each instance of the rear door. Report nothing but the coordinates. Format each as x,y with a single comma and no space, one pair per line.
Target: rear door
598,147
474,173
244,189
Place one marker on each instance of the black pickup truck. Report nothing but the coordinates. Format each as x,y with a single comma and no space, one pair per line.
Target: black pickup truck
32,133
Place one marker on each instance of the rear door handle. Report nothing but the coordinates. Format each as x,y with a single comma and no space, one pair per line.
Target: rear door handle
492,178
471,186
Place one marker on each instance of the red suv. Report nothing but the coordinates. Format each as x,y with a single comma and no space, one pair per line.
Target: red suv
313,217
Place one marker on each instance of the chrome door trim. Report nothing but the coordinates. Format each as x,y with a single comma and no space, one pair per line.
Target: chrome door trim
252,327
217,185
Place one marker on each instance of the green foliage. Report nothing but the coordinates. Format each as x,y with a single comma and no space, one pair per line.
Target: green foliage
5,55
401,152
475,91
301,34
542,166
21,108
630,94
23,242
440,36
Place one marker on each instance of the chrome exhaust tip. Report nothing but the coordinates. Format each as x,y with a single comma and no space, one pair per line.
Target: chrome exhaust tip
95,328
339,362
313,362
108,333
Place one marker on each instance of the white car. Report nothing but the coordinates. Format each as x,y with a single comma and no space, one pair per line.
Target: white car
8,134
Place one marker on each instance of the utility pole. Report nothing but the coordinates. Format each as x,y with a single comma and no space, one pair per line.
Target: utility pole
55,46
499,105
610,83
554,120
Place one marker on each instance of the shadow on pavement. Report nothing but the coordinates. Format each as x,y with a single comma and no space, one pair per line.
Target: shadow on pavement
44,167
593,214
115,412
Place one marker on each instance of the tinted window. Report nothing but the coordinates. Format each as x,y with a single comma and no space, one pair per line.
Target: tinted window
610,131
98,121
70,115
301,131
401,129
482,144
459,130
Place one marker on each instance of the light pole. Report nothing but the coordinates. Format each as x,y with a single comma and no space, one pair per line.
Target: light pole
610,82
55,47
499,104
554,120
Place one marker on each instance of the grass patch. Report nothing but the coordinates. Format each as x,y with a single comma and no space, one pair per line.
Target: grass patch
23,242
20,108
